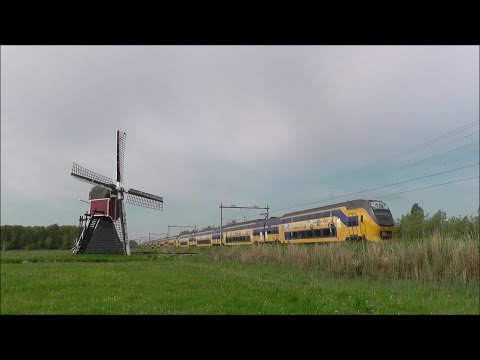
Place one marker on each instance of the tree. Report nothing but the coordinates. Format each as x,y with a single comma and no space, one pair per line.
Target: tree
208,227
411,226
416,209
133,244
436,222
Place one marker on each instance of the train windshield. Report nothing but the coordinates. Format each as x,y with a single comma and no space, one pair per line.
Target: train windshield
382,213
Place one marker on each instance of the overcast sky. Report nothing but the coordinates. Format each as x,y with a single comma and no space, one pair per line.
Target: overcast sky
282,126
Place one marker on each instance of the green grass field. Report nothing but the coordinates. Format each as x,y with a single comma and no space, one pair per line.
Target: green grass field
56,282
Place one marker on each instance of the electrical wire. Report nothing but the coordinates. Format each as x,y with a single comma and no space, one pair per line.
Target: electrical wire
427,187
376,188
420,146
405,152
446,152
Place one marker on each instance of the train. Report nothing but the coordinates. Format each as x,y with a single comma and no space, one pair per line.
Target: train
354,220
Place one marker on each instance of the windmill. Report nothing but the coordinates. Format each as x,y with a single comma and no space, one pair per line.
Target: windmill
104,227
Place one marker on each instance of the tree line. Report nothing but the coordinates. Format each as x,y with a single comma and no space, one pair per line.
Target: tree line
417,225
15,237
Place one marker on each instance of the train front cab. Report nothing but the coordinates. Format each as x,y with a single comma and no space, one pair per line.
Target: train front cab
341,223
359,224
380,225
364,222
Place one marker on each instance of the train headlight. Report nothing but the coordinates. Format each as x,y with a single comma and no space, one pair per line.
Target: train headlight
385,235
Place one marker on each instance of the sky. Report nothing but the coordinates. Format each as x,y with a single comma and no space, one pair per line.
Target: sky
288,127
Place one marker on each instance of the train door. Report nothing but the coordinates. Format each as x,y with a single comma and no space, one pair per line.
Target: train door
353,228
363,229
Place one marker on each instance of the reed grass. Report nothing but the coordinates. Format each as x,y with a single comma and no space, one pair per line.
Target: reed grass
436,258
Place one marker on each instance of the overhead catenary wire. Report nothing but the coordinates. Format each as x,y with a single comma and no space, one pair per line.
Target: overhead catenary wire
427,187
463,137
443,153
382,187
441,137
376,188
400,192
405,152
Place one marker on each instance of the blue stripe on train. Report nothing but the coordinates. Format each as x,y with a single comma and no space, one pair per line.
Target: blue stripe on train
325,214
345,219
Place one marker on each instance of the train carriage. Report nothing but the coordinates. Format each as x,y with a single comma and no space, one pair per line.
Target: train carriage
172,242
350,220
182,242
346,221
266,231
192,241
239,234
204,239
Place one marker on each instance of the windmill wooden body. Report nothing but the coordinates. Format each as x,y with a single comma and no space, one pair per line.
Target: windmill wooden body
103,229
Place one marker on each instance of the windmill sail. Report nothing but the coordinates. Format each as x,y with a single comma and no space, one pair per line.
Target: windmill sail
83,174
121,228
140,198
121,137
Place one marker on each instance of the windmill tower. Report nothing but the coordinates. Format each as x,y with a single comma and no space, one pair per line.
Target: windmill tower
104,228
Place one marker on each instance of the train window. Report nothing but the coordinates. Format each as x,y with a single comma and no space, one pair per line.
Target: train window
361,218
318,233
309,234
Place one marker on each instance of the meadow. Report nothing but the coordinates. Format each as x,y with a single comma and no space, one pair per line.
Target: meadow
437,276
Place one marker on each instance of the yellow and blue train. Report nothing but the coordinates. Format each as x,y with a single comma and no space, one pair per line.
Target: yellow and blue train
353,220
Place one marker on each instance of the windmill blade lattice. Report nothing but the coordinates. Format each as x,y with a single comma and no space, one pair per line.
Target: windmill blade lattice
75,245
121,228
91,177
121,137
140,198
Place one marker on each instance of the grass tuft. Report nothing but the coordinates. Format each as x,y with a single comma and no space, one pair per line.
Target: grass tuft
437,258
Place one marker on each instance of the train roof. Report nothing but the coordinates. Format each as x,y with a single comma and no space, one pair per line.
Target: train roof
351,204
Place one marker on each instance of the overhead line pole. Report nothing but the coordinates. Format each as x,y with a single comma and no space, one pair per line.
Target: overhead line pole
180,226
155,234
